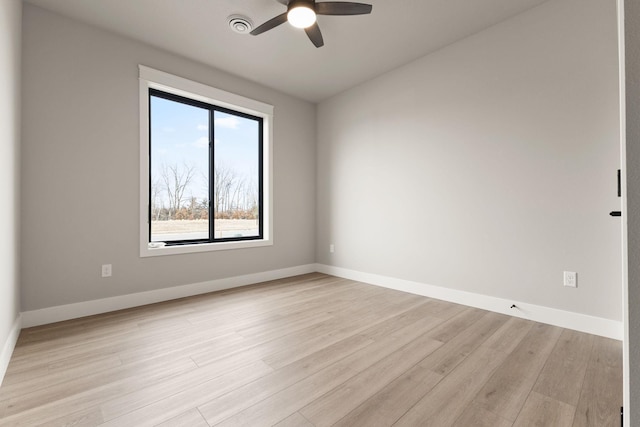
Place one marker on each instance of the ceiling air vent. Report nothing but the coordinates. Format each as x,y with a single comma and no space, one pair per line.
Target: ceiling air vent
240,24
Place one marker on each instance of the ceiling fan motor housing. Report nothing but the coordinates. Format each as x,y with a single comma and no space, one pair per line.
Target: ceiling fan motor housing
304,3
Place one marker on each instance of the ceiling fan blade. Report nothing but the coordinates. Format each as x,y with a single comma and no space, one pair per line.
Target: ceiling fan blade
284,2
270,24
342,8
315,35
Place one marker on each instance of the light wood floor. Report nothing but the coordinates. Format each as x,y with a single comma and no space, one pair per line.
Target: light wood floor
312,350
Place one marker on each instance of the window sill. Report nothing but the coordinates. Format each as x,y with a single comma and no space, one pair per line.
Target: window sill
146,251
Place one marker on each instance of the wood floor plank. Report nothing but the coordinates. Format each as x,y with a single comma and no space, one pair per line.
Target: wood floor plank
260,306
230,321
310,301
399,321
296,345
447,310
72,386
540,410
47,404
282,404
346,325
188,398
264,347
449,398
84,417
3,408
508,337
298,349
562,376
97,345
59,370
21,386
452,327
235,401
71,331
337,403
166,388
191,418
295,420
601,395
506,391
386,406
266,299
283,325
188,343
476,416
454,351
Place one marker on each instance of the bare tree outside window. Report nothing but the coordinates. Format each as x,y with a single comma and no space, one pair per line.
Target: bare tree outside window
176,180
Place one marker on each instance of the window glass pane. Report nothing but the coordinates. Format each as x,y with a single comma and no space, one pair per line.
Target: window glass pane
236,176
179,171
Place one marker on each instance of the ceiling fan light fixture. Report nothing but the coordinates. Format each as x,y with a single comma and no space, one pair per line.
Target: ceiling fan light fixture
301,16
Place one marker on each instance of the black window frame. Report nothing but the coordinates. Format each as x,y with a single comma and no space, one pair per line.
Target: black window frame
212,108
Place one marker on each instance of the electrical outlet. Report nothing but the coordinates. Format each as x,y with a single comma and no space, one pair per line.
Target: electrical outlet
332,248
571,279
106,270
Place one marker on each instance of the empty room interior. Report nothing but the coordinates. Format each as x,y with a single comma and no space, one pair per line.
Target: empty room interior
307,213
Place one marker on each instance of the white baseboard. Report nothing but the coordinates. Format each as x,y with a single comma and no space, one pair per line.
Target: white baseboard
9,345
565,319
88,308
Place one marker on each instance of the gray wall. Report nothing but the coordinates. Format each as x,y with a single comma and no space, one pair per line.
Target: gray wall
81,169
632,57
488,166
10,34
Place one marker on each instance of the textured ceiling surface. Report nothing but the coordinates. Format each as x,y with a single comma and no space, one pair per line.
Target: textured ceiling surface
357,48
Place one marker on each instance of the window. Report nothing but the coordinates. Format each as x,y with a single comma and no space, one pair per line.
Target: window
205,169
205,172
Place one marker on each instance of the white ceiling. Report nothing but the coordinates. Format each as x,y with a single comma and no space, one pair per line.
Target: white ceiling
357,48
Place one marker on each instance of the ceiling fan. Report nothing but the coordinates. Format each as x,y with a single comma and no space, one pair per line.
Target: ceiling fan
302,14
